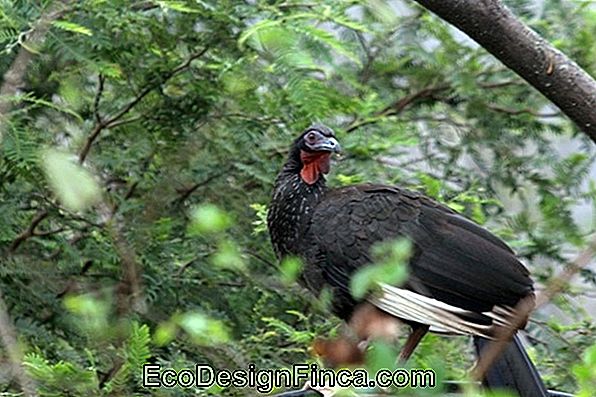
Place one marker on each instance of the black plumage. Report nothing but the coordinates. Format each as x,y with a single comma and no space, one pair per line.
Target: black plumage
463,279
454,260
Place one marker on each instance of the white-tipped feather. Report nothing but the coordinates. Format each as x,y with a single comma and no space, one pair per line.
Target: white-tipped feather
441,317
498,319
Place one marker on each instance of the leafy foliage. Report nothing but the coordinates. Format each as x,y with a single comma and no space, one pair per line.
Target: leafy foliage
390,267
167,122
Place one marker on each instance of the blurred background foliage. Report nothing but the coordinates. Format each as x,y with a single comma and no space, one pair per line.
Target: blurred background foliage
147,137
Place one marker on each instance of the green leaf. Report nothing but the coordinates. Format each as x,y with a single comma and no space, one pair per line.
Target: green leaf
432,186
260,224
389,268
267,23
456,206
346,180
290,269
585,372
75,187
137,350
202,329
228,256
179,6
208,218
93,312
37,101
329,39
382,11
351,24
72,27
165,333
65,376
381,355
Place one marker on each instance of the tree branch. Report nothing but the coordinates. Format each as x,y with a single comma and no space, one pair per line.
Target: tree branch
184,194
492,25
100,81
399,105
15,355
523,309
516,112
499,84
13,78
29,232
125,121
114,120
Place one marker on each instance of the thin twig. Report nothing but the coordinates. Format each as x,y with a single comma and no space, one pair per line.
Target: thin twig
100,83
294,5
129,295
516,112
29,232
90,139
185,266
571,347
134,102
114,120
499,84
125,121
370,58
184,194
64,211
399,105
263,259
15,355
72,241
133,186
523,310
49,232
373,53
260,119
144,6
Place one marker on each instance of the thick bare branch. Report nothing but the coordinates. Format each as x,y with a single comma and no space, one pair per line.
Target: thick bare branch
500,32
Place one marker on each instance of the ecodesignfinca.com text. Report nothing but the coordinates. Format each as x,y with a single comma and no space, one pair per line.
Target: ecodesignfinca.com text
266,380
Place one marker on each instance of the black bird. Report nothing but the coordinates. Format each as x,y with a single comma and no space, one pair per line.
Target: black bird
463,279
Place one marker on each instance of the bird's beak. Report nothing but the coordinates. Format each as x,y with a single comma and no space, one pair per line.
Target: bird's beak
329,144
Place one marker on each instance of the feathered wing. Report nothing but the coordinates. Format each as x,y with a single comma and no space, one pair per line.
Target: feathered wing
462,278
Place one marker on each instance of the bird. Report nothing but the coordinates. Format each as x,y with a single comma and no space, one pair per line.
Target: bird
462,280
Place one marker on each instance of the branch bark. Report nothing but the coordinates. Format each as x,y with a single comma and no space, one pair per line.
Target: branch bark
492,25
524,309
116,118
13,79
30,231
8,336
399,105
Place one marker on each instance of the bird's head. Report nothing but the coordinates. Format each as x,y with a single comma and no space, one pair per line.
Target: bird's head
313,148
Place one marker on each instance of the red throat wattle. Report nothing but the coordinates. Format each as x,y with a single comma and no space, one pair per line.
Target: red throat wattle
313,164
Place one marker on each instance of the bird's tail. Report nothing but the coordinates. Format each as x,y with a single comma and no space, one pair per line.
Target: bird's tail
513,370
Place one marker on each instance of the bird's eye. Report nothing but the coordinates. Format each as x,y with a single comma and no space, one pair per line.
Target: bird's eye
311,137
